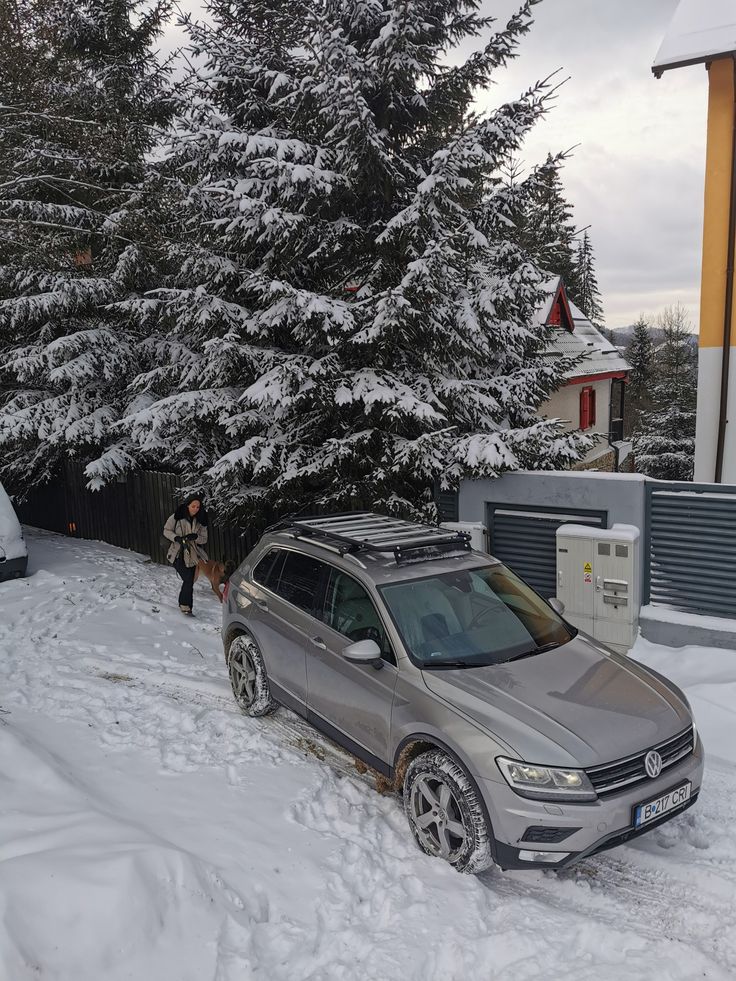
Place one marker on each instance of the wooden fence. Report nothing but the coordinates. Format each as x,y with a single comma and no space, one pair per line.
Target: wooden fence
129,513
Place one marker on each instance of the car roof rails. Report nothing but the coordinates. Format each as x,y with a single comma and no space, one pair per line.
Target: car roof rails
364,531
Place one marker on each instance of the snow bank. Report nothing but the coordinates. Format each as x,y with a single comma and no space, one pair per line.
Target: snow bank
149,830
708,677
87,894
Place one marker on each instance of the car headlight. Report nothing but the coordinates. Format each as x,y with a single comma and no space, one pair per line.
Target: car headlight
547,782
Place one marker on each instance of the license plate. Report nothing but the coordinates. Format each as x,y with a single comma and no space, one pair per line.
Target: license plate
654,809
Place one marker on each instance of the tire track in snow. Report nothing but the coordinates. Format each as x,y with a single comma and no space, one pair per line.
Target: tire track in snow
620,892
654,903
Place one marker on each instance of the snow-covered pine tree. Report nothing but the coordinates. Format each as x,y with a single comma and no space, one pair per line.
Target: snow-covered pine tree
78,117
584,286
665,443
549,230
352,321
640,355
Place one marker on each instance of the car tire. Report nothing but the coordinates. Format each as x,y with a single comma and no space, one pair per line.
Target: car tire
248,677
445,812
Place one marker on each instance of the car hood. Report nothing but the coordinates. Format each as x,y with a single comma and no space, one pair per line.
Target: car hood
573,705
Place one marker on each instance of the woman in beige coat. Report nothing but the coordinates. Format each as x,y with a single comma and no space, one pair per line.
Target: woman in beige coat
186,529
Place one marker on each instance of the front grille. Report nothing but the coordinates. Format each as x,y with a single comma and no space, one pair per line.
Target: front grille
549,836
612,777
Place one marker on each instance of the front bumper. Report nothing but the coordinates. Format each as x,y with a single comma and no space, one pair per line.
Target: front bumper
592,827
13,568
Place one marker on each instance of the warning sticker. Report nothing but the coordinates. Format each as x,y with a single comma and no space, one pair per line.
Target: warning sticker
587,577
588,573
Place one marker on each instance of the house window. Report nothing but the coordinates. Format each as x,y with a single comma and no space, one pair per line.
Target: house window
587,407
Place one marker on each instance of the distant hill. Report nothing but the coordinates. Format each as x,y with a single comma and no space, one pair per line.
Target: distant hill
621,336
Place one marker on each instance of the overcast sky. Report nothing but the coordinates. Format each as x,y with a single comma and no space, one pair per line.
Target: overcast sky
636,176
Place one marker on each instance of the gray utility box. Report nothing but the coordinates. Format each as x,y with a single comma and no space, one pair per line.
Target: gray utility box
598,581
477,531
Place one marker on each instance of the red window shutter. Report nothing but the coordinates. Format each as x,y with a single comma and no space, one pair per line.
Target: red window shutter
587,407
583,408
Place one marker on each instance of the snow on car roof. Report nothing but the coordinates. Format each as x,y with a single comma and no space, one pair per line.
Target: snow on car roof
9,525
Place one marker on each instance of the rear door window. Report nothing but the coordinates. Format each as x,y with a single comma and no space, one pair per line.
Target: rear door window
268,569
300,580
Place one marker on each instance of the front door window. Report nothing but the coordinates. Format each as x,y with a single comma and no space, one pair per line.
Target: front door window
351,612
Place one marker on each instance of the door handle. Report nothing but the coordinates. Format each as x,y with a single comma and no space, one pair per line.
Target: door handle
318,642
262,605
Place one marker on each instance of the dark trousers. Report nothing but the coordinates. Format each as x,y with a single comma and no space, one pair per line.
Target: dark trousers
187,585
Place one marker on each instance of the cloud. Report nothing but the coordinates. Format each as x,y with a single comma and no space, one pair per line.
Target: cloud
636,177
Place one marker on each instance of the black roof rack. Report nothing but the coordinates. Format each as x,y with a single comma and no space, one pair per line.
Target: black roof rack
363,531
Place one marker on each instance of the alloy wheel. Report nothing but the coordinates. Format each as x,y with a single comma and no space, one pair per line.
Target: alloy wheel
243,676
437,817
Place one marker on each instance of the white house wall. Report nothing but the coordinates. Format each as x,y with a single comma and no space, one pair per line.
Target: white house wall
565,404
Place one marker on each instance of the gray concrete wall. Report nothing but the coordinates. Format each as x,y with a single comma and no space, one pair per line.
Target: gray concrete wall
622,495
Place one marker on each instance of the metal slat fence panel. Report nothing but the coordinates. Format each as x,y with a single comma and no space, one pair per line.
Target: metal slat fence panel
525,540
691,547
448,504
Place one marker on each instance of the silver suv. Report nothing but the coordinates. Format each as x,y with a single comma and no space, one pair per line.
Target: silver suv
514,738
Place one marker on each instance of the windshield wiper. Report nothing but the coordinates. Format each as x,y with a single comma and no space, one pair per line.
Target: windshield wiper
427,665
533,651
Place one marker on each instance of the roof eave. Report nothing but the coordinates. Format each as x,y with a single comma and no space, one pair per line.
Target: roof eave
593,376
659,70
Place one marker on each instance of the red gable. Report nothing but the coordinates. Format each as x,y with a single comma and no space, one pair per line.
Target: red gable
559,314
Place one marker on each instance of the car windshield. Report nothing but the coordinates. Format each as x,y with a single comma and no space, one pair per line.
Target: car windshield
473,617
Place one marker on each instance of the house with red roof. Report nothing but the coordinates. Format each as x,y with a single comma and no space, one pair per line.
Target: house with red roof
593,396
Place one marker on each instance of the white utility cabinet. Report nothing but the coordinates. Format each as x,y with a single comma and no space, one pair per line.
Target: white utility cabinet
476,530
598,581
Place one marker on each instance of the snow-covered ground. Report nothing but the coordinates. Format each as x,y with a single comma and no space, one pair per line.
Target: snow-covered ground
149,831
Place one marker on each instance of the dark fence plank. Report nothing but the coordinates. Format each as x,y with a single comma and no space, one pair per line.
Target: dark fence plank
130,514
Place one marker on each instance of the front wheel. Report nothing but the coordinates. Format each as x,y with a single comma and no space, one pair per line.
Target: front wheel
248,677
445,813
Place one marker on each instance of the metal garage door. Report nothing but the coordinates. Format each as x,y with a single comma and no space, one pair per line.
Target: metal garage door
524,539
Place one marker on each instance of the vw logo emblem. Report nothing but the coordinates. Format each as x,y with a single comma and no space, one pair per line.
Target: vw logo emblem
653,763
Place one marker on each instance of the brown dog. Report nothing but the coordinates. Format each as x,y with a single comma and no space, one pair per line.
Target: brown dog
218,574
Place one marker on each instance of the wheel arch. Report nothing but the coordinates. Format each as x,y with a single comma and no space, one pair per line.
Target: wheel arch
414,745
236,629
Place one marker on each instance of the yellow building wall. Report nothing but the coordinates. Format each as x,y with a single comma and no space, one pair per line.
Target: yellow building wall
718,177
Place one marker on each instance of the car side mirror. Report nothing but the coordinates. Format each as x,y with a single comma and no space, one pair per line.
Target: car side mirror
363,652
557,605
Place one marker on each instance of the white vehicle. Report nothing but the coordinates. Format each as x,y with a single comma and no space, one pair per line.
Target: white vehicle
13,551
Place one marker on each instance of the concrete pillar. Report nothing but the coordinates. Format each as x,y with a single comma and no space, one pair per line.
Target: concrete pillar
718,176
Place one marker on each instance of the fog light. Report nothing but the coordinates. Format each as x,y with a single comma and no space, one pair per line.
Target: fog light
550,857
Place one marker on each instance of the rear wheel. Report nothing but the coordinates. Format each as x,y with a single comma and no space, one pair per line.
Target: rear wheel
248,677
445,813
